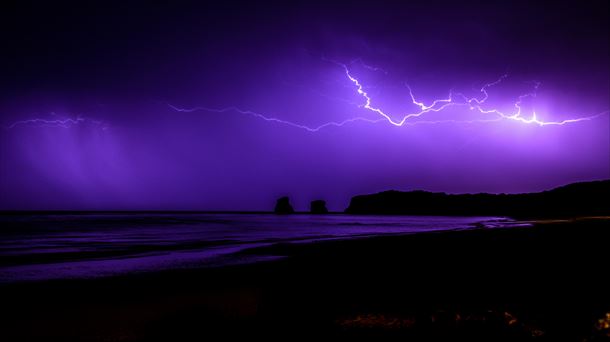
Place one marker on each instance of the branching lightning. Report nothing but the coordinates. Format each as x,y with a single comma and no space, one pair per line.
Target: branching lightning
477,104
473,103
453,99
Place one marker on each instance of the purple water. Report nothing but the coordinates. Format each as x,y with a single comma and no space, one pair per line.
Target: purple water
43,247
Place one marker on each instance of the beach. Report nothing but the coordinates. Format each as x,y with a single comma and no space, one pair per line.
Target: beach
547,282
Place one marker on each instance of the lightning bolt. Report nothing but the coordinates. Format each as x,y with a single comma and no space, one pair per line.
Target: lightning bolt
423,108
453,99
58,123
272,119
473,103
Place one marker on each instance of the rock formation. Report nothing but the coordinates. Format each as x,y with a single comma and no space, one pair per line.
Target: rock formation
318,207
282,206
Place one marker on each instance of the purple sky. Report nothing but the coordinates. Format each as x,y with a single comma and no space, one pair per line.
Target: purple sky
216,107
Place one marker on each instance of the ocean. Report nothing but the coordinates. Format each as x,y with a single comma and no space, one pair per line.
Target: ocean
62,246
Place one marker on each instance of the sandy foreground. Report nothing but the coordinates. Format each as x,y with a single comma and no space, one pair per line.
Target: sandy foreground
544,283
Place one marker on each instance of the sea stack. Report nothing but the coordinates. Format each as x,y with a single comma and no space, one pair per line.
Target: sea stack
318,207
282,206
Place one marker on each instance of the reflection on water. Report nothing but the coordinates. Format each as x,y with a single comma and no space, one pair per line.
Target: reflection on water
35,247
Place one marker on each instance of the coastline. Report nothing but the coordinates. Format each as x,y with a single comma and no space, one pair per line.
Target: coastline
541,283
59,246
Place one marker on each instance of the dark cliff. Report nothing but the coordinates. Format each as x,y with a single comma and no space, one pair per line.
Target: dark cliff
577,199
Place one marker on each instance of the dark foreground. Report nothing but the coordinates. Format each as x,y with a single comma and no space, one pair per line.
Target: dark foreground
547,283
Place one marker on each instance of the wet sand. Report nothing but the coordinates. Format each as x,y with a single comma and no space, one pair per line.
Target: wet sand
544,283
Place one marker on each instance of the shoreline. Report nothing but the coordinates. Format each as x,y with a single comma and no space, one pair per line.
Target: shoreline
382,287
201,250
